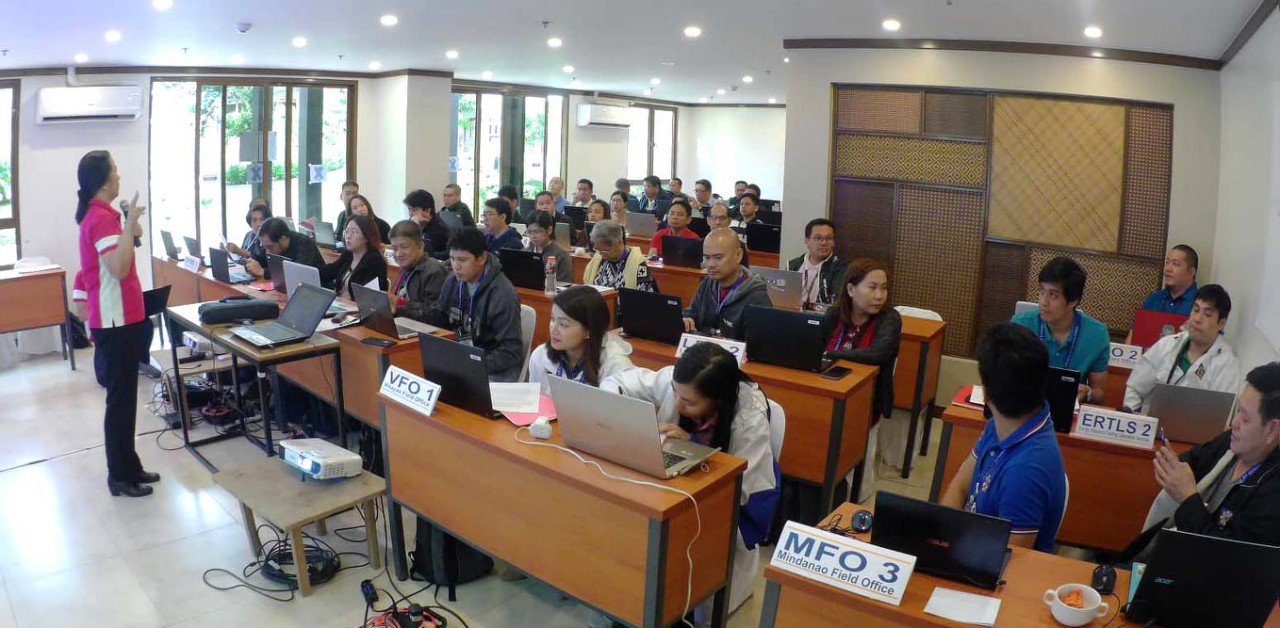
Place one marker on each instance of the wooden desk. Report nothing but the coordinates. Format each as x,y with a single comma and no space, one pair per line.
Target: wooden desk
541,304
1117,378
616,546
34,300
1112,487
827,421
916,378
167,272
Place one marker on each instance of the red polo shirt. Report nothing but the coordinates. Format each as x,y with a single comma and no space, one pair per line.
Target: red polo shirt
111,302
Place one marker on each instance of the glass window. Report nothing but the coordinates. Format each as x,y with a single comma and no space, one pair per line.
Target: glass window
249,162
664,135
555,141
173,159
209,216
333,135
535,142
638,144
490,139
462,156
9,242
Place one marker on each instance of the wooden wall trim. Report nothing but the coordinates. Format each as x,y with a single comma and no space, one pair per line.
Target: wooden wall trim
1264,11
1017,47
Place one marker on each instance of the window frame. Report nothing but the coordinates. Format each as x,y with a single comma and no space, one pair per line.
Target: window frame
651,144
14,222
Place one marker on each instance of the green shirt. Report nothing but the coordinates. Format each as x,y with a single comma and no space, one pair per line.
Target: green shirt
1092,344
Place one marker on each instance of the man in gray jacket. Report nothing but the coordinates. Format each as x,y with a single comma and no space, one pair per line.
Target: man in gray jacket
421,277
722,298
479,303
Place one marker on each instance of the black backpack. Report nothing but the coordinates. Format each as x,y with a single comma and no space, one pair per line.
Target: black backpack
443,560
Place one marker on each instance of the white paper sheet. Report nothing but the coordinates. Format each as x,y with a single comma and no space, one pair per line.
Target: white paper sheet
978,397
522,397
963,607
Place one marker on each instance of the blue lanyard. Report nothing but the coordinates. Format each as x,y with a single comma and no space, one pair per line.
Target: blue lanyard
720,302
1248,474
1071,340
575,374
471,300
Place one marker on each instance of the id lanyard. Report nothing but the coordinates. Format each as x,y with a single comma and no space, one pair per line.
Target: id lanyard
720,302
403,282
1071,340
575,374
471,305
981,487
1173,369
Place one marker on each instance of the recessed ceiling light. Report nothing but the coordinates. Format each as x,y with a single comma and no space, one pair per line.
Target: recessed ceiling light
81,57
576,83
891,25
786,59
692,31
112,36
720,92
668,63
375,65
1092,32
555,42
451,54
162,5
237,59
704,100
486,75
299,42
389,20
1097,53
568,69
773,101
748,79
648,91
655,81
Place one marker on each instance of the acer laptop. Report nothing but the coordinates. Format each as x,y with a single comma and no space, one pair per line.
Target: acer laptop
1191,415
220,264
296,274
621,430
641,224
297,322
525,269
763,237
170,248
1149,327
459,370
650,315
786,287
1061,390
683,252
1194,580
375,311
947,542
785,338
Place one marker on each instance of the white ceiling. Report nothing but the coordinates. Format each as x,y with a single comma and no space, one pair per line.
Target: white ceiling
615,46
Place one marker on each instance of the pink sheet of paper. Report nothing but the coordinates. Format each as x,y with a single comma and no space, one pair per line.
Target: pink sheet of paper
262,286
546,407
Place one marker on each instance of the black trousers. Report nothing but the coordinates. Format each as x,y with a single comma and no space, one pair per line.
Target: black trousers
100,358
121,348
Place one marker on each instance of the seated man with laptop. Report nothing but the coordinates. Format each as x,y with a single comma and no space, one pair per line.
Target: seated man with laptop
723,296
278,239
678,216
1075,341
820,268
479,303
1199,357
421,277
1015,471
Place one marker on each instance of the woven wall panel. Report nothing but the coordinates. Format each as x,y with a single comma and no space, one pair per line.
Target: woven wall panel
911,160
1057,172
956,115
1115,286
1149,152
878,110
937,256
863,214
1004,282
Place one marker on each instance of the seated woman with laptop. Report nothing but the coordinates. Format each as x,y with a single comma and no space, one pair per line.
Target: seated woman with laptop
706,398
580,347
861,328
541,232
361,262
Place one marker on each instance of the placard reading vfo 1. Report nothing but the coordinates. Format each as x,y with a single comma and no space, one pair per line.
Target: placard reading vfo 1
411,390
839,561
1117,428
738,349
1124,356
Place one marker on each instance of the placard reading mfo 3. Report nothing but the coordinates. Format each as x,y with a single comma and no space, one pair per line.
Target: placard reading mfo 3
839,561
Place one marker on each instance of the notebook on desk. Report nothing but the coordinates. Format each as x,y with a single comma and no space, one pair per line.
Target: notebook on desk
524,268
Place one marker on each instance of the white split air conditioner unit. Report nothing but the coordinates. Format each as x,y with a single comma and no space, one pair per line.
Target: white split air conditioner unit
604,116
88,104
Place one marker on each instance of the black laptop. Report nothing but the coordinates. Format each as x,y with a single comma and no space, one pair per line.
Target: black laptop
298,321
651,316
769,217
220,264
193,247
1061,390
275,265
452,220
678,251
527,207
525,269
1195,580
954,544
660,209
170,248
459,370
699,225
764,237
785,338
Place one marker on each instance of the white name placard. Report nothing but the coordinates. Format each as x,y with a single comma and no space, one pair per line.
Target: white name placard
738,349
411,390
1124,356
1117,428
860,568
191,263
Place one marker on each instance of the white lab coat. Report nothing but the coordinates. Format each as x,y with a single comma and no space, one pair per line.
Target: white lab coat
1218,369
615,359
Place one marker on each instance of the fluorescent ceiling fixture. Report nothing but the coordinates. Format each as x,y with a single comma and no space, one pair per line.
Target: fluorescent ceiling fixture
555,42
703,100
81,57
568,69
486,75
375,65
648,91
786,59
692,31
1092,32
655,81
773,101
720,92
389,20
891,24
162,5
748,79
237,59
451,54
668,63
299,42
112,36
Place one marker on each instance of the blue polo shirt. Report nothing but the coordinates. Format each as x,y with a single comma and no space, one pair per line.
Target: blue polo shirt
1092,345
1163,301
1021,478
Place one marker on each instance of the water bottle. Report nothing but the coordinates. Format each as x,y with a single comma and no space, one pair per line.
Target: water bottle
549,284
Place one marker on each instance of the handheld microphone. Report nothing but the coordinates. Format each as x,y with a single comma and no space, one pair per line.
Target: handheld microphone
124,209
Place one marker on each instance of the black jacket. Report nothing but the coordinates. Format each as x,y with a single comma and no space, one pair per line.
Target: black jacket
302,250
830,277
1254,506
420,288
494,315
371,265
435,237
462,210
882,353
384,230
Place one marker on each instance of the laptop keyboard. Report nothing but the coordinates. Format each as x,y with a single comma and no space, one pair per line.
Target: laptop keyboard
670,460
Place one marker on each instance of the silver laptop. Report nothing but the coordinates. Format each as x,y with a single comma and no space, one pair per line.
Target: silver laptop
324,233
296,274
1191,415
297,322
1025,306
562,234
786,287
641,224
621,430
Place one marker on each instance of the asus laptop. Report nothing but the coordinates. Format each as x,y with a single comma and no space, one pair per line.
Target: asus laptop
296,274
525,269
947,542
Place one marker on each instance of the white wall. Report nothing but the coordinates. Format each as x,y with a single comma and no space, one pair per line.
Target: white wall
1193,93
429,124
725,144
1249,189
383,134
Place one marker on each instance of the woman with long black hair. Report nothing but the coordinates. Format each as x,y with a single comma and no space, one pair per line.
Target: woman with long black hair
116,315
579,346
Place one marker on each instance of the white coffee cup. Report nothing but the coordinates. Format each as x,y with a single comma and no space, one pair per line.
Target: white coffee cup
1094,607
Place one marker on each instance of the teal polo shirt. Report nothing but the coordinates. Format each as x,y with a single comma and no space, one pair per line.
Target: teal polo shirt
1092,346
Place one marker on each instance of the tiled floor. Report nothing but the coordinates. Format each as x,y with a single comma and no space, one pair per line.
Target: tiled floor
66,544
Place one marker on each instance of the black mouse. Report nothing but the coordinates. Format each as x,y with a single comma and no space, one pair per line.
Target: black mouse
1104,579
861,523
338,318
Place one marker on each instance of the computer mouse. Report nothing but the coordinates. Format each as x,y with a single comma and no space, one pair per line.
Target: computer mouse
1104,579
338,318
861,523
